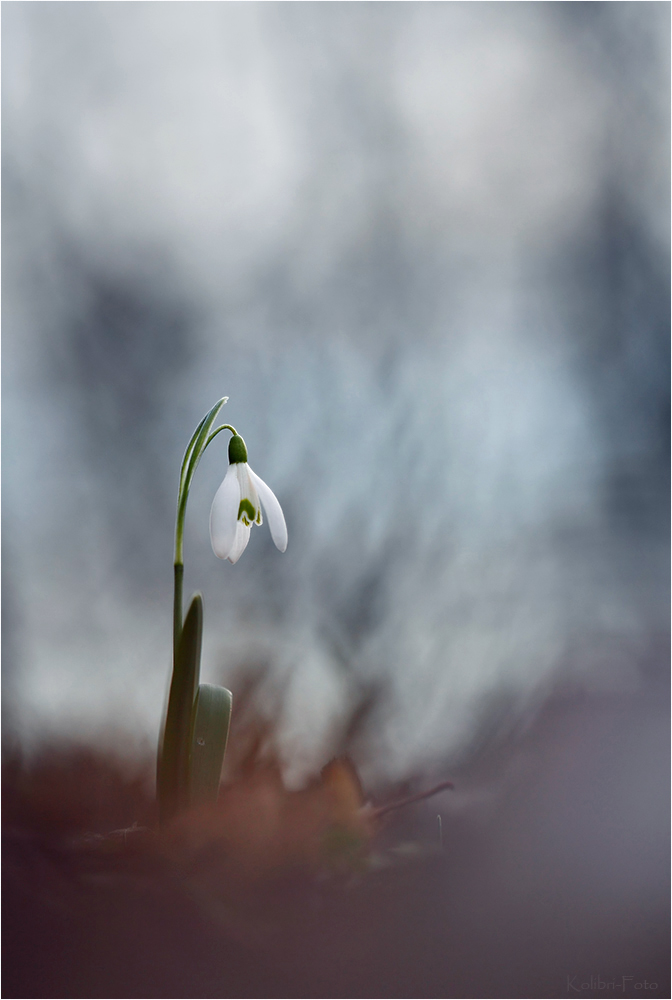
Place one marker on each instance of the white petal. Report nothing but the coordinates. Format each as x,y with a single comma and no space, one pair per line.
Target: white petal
224,514
240,544
247,487
276,519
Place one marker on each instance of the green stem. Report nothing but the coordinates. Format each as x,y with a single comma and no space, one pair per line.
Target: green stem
222,427
173,761
177,606
179,527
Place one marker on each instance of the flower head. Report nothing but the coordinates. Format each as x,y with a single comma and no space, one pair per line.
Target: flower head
237,506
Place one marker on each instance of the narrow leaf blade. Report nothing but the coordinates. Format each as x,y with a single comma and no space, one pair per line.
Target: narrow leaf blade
208,419
210,732
199,444
174,770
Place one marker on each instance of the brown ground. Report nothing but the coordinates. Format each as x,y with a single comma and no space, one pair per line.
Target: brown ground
554,869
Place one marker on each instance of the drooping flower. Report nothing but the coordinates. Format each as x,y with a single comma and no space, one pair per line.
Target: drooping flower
237,506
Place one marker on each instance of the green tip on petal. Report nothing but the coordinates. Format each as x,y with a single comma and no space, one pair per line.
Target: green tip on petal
237,449
246,507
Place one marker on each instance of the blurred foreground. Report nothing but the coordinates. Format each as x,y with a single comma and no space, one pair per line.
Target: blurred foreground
553,868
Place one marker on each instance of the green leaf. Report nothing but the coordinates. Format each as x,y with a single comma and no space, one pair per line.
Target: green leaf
196,445
192,457
173,774
209,418
210,731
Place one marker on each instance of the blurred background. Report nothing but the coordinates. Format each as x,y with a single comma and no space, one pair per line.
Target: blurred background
423,248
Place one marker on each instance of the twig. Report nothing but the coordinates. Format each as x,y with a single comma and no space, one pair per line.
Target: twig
400,803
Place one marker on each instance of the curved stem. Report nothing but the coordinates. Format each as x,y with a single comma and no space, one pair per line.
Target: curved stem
200,440
222,427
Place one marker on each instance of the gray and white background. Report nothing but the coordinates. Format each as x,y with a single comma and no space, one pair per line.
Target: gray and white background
423,248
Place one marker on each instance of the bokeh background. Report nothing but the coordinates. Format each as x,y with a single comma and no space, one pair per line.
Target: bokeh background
424,249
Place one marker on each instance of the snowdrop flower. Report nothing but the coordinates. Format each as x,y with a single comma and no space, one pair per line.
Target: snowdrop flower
237,507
